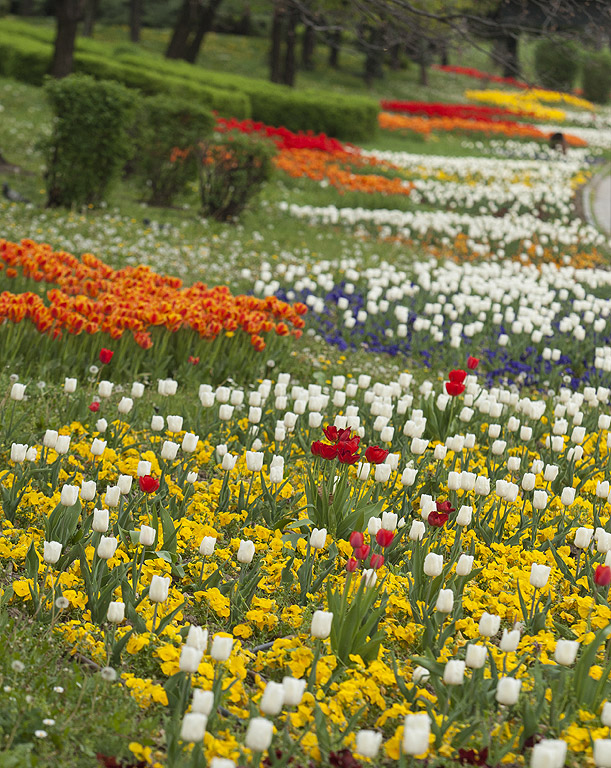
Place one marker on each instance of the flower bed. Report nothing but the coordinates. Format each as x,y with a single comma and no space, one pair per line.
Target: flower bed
479,75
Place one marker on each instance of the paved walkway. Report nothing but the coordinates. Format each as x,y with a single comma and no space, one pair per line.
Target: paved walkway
597,201
601,203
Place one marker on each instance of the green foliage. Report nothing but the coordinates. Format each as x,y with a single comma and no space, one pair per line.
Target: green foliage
597,77
556,63
90,140
166,125
233,169
23,59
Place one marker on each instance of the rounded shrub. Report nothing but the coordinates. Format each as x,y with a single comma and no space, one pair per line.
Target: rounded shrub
556,64
90,140
233,168
596,77
169,131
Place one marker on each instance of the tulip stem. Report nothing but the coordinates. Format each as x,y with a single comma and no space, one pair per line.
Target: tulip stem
256,759
154,617
312,677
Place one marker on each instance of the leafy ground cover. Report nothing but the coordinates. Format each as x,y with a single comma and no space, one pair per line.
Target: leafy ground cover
383,542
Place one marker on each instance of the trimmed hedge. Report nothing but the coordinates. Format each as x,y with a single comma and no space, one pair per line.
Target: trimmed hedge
352,118
345,117
556,63
597,77
226,102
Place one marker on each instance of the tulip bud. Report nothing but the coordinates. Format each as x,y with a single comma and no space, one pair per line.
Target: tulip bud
169,450
189,659
420,674
189,442
197,638
416,734
220,649
416,532
18,391
147,536
508,690
464,516
137,389
105,388
510,640
259,734
539,500
548,753
69,495
107,546
101,425
374,525
445,601
464,565
193,726
115,613
70,385
157,423
566,651
389,521
293,690
276,474
100,520
246,551
272,699
52,552
318,538
321,624
207,545
125,405
454,672
202,702
144,468
408,478
539,574
489,624
528,481
112,495
125,484
602,753
433,564
50,438
174,423
31,454
476,656
583,536
368,743
605,715
18,451
88,490
159,589
254,461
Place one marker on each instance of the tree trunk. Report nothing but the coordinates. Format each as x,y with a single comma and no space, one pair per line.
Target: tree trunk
308,45
395,57
511,65
423,78
204,25
177,47
26,8
135,20
68,14
443,56
335,42
290,58
275,62
374,66
91,11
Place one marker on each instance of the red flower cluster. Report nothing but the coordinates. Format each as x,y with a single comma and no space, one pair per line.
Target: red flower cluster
376,455
343,447
148,484
281,136
602,576
479,75
106,355
456,385
472,363
439,517
435,109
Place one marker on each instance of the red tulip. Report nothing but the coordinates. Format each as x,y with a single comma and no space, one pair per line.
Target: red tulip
352,565
106,355
602,577
362,552
437,519
472,363
331,433
444,506
453,388
377,561
457,376
95,407
148,484
356,539
193,360
324,450
375,455
384,537
345,454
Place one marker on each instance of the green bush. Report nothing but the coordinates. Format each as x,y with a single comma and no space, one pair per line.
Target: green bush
232,169
90,141
596,77
24,59
556,64
169,132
